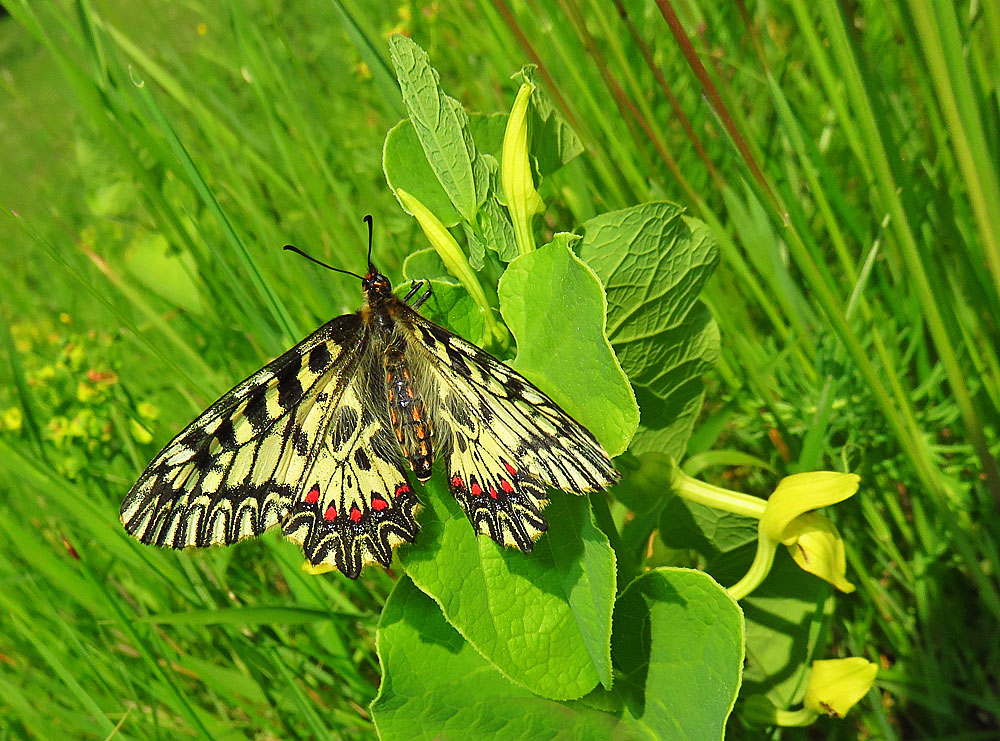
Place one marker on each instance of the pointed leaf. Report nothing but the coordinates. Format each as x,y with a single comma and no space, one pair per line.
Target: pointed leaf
442,127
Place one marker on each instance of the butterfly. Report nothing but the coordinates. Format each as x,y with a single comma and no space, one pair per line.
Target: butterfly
318,441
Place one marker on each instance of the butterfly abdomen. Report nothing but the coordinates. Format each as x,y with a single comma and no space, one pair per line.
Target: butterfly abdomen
408,411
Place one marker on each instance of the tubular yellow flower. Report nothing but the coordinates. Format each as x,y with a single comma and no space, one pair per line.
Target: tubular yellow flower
794,496
803,492
818,548
523,201
836,685
453,258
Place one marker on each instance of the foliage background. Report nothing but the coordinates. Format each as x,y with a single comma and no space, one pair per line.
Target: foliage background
844,154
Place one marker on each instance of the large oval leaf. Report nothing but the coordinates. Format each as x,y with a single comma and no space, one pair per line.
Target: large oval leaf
434,685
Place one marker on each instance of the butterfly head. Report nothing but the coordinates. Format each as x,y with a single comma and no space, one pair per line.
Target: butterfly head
376,285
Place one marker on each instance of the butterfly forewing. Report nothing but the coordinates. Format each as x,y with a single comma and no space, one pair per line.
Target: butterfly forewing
235,471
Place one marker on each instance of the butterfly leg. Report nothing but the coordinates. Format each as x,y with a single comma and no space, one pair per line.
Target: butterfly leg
414,287
420,301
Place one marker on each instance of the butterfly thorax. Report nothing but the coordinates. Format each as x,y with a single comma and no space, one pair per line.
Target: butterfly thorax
406,405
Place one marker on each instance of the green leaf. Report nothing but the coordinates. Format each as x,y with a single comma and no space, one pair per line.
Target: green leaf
435,685
653,263
542,619
406,168
442,127
554,307
169,275
709,531
496,231
426,264
678,653
449,305
488,130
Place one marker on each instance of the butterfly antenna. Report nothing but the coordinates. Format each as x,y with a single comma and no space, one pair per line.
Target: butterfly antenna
292,248
368,220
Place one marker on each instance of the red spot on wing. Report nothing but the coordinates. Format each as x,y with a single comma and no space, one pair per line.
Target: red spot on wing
476,489
330,514
505,485
313,496
379,503
493,492
402,489
510,469
456,481
355,513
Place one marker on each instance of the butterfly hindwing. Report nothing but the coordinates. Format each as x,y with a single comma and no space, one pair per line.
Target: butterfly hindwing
505,439
235,471
357,504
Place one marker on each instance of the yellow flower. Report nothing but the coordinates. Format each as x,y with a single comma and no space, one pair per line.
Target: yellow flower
523,201
11,419
801,493
85,392
147,410
836,685
818,548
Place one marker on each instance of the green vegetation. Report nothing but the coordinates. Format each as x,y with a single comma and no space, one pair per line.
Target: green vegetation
827,301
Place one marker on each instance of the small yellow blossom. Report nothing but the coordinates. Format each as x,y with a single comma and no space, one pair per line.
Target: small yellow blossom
202,29
85,392
45,373
836,685
147,410
362,71
817,547
11,419
56,429
75,353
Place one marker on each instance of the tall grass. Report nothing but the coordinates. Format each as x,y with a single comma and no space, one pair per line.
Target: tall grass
846,158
